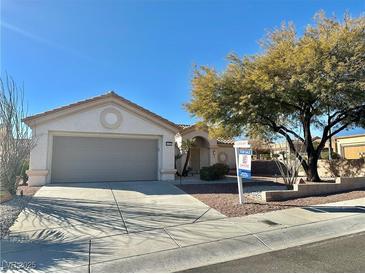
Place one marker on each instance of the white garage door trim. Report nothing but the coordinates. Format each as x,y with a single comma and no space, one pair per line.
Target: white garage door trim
102,135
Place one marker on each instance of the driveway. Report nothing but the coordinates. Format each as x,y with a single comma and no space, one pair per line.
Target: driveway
120,219
155,227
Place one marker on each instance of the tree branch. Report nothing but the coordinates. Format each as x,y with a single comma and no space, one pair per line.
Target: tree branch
294,150
341,116
292,132
281,130
276,127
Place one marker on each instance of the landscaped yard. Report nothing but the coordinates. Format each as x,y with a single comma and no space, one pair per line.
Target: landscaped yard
224,198
10,209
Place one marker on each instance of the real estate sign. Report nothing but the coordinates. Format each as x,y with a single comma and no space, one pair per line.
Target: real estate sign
243,164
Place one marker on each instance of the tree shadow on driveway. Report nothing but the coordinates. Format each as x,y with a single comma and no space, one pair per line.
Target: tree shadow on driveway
28,256
57,218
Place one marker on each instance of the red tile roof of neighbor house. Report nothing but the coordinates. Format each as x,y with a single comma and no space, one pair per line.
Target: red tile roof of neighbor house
184,126
222,141
110,94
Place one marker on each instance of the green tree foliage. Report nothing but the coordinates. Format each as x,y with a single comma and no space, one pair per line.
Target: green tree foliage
295,85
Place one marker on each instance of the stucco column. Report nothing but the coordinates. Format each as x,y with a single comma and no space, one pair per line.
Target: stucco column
213,154
167,171
38,172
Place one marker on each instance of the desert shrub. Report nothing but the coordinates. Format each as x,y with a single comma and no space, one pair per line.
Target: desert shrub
214,172
24,168
207,174
325,154
16,142
346,167
220,170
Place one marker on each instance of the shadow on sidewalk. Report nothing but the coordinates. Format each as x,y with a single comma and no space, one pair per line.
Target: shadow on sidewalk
336,209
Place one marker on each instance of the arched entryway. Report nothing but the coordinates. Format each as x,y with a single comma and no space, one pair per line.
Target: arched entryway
199,154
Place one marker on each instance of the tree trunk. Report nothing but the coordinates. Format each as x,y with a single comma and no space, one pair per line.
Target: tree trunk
312,152
184,171
312,172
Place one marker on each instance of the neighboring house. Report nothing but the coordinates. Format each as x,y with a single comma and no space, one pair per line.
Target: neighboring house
351,147
347,147
108,138
277,149
317,140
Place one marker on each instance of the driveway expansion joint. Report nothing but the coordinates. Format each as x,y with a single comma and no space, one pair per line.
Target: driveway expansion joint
120,212
197,219
261,241
172,238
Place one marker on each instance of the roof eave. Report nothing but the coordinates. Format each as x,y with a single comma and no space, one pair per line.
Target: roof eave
32,120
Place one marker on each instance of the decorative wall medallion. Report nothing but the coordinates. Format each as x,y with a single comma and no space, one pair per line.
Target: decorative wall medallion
111,118
222,157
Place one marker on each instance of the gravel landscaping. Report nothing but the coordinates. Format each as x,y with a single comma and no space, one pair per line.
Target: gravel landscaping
224,198
10,210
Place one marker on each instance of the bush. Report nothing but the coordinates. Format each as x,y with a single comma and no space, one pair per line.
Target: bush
24,168
325,154
221,169
207,174
214,172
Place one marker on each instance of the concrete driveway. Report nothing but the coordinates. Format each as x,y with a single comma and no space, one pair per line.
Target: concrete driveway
155,227
120,219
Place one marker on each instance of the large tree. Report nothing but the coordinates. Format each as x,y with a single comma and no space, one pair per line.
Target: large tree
295,85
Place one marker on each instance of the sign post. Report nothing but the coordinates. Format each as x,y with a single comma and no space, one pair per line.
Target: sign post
243,154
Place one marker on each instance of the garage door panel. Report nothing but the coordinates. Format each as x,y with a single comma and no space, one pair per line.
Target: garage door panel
353,152
89,159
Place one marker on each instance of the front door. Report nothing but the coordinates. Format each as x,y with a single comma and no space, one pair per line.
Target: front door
195,159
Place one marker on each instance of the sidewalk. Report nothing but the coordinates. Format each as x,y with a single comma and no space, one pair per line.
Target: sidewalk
186,246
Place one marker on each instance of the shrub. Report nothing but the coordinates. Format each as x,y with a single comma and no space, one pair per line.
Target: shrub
24,168
214,172
325,154
16,142
207,174
220,169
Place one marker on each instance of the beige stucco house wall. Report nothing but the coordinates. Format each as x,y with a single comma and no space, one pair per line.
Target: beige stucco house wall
90,119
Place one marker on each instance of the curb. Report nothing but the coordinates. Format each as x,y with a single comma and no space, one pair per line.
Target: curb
184,258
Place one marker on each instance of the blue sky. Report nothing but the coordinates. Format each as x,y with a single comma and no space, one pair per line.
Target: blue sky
68,50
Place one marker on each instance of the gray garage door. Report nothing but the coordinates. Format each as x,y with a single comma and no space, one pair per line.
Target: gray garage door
89,159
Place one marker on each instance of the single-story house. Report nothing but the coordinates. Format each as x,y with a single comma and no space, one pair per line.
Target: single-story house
109,138
351,146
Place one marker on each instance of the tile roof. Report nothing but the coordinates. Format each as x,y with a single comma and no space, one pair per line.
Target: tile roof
184,126
222,141
110,94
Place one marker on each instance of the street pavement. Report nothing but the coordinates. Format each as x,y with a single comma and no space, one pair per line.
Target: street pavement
343,254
